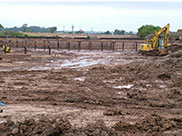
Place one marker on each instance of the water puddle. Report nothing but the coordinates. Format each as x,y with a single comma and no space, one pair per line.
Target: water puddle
81,60
124,86
80,79
81,63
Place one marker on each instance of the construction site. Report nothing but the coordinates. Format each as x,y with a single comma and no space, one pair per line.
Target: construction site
54,86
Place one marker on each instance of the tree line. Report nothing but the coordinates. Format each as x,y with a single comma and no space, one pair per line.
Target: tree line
26,28
143,31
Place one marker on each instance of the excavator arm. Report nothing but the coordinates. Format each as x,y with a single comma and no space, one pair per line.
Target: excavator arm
157,34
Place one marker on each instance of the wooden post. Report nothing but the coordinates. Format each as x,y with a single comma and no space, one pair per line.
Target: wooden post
136,48
79,45
90,45
123,46
17,44
113,43
102,46
25,49
35,46
25,43
58,45
49,47
68,45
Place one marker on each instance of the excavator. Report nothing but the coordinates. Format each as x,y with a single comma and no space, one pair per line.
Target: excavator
156,45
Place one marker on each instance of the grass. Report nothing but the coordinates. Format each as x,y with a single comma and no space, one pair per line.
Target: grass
14,34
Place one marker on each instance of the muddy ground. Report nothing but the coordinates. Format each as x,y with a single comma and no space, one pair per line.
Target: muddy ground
90,93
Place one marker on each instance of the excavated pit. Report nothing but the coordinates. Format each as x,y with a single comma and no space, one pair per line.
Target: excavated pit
90,93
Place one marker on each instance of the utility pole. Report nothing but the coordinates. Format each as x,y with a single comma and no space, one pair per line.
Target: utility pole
63,28
72,29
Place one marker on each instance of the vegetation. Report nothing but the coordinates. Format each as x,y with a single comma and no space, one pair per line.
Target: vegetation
147,29
119,32
26,28
13,34
79,32
53,29
108,32
1,26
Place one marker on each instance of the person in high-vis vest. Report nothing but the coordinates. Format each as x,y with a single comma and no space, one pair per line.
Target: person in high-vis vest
8,50
4,48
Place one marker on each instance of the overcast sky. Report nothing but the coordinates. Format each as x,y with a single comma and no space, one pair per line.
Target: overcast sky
96,15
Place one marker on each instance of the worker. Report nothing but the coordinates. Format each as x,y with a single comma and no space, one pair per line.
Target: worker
4,48
8,50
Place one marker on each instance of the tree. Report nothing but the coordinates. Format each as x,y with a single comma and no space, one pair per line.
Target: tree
24,26
147,29
130,33
53,29
80,32
119,32
107,32
1,27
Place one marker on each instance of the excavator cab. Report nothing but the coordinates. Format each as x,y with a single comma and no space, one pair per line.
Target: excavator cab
161,43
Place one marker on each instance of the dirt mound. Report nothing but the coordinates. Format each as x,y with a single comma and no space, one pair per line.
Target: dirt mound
30,127
175,46
177,54
164,76
114,111
53,127
94,129
126,128
153,124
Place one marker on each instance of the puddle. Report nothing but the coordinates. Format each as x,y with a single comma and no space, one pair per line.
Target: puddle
81,59
162,86
113,80
2,121
124,86
80,79
81,63
2,70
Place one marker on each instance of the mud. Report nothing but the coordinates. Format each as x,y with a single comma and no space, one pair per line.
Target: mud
124,93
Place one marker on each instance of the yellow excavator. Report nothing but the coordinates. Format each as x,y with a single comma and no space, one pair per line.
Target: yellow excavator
156,45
